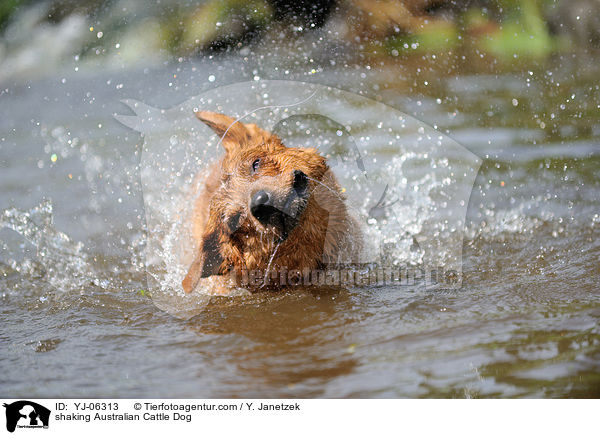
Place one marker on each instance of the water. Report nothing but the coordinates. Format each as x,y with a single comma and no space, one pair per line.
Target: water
78,319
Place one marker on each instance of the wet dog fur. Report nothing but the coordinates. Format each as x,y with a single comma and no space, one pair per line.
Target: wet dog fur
266,207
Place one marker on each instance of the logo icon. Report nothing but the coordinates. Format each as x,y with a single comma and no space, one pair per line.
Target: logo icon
406,183
26,414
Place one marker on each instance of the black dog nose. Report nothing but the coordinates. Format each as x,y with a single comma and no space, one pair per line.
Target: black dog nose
261,207
260,198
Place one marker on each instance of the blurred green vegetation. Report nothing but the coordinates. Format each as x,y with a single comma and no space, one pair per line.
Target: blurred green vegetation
523,32
504,29
507,29
215,25
7,8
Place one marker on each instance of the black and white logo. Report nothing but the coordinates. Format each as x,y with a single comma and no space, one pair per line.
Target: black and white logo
26,414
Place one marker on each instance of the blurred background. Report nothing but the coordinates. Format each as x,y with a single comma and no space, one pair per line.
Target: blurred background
39,38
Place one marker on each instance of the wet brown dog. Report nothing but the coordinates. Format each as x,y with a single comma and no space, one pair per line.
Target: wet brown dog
267,208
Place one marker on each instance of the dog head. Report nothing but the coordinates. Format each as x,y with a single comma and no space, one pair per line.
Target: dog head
264,196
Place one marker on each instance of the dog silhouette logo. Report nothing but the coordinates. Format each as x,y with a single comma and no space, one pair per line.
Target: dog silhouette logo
26,414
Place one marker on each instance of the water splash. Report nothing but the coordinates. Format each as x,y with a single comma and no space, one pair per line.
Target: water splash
58,260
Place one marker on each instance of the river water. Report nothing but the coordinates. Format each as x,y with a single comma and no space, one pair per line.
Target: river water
77,306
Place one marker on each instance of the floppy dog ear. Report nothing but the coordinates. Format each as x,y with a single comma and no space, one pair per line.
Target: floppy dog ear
233,133
207,263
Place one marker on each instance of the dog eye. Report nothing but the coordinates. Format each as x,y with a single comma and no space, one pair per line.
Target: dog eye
255,165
